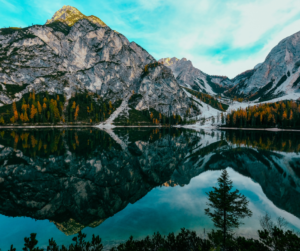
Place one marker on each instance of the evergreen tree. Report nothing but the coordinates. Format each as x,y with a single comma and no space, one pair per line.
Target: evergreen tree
228,206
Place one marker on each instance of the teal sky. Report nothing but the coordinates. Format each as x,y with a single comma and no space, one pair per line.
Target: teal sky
222,37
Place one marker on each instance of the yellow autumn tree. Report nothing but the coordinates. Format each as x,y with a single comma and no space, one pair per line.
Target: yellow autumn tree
14,106
291,115
39,107
16,115
33,111
234,119
26,119
284,115
76,112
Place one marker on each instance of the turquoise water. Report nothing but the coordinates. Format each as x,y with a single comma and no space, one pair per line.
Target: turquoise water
137,182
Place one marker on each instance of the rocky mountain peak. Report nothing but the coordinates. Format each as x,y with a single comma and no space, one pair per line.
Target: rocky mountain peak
70,15
169,61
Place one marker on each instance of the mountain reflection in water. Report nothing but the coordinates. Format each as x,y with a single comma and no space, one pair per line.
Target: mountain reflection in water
79,178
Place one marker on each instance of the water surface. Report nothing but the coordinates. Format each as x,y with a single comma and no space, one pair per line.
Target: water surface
137,181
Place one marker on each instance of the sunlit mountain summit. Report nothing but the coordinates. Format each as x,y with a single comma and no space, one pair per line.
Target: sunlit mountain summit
70,15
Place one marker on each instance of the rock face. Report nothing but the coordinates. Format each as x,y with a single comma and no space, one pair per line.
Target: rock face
189,76
279,74
73,52
159,87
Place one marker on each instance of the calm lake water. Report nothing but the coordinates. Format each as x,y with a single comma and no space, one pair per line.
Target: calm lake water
138,181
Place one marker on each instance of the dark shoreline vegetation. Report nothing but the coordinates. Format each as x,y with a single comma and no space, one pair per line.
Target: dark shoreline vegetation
283,114
273,237
84,108
227,208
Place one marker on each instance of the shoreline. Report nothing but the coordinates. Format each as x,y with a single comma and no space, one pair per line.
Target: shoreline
154,126
56,126
77,126
258,129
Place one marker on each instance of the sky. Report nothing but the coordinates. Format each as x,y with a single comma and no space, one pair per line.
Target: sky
220,37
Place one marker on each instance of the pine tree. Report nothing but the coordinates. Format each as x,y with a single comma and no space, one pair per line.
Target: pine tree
228,206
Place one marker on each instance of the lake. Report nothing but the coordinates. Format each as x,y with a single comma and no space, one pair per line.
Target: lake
137,181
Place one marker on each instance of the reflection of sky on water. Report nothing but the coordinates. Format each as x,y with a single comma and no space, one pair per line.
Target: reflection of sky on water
164,209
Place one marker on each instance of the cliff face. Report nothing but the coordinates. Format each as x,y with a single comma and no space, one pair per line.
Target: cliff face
72,53
159,87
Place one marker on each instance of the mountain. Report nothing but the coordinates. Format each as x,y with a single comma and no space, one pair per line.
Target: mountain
277,76
189,76
73,53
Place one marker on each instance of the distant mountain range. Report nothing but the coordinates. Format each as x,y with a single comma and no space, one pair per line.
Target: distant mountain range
277,76
73,52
